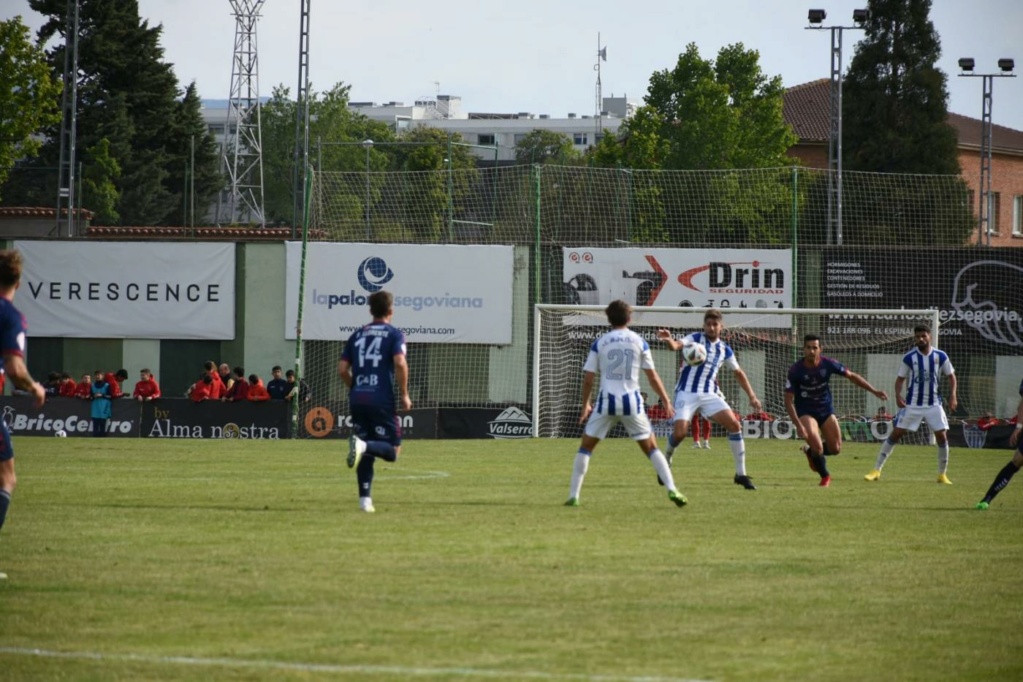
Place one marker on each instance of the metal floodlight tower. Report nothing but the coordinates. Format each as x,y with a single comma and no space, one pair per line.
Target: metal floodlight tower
967,64
68,124
816,19
301,158
601,56
243,147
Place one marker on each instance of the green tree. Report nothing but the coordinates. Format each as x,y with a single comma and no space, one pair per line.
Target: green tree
28,95
195,152
543,146
99,183
895,120
127,95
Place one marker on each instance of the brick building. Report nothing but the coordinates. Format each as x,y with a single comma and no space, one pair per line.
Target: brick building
807,110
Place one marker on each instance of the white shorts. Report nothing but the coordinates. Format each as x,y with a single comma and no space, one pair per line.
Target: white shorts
909,418
636,425
708,404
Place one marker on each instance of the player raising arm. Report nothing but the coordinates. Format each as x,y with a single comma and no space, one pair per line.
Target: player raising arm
809,405
697,390
616,357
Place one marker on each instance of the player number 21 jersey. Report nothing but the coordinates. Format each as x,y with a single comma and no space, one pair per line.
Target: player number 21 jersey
617,358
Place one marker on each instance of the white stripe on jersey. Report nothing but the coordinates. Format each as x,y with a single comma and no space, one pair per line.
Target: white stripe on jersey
617,358
703,377
924,374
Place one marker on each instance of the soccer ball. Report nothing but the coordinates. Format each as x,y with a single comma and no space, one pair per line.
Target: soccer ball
694,353
61,434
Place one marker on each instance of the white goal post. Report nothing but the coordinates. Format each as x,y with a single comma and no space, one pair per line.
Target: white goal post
870,342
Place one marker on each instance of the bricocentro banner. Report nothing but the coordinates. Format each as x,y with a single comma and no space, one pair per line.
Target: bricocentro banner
70,415
163,418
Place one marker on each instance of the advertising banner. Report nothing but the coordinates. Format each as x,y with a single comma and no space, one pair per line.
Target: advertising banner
734,280
183,418
979,293
442,294
510,423
332,420
69,415
118,290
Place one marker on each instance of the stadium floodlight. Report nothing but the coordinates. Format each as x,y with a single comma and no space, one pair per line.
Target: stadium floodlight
816,16
986,204
860,16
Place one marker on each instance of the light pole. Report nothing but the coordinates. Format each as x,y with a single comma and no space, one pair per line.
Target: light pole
367,144
966,64
816,18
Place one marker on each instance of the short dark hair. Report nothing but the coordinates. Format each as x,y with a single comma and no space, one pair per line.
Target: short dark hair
713,314
811,337
145,370
122,374
209,366
253,379
10,268
99,374
921,328
275,368
618,313
380,303
290,373
239,372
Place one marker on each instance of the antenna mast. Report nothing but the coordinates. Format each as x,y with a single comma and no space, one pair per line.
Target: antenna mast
599,105
243,147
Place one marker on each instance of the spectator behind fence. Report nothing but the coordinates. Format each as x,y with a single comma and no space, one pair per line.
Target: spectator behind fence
101,408
239,387
301,389
115,381
277,387
226,378
216,384
257,391
146,388
67,386
988,421
200,390
84,389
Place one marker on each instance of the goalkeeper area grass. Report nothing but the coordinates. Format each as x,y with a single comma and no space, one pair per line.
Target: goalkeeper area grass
249,560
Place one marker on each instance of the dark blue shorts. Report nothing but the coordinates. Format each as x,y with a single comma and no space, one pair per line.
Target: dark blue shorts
6,447
817,416
370,422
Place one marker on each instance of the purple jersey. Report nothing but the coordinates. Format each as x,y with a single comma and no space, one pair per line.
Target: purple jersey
370,351
811,386
12,331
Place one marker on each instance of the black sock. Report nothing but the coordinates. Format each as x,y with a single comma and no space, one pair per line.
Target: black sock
364,475
821,464
1001,480
827,450
381,449
5,502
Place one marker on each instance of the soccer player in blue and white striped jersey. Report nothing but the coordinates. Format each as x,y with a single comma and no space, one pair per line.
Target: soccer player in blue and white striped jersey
923,367
617,357
697,390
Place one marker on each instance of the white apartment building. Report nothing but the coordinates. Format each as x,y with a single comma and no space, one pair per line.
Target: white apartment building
486,129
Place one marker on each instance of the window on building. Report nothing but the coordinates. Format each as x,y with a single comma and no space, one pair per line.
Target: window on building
519,137
1017,215
580,138
486,138
994,205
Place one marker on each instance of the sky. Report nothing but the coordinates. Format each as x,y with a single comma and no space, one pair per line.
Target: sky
538,56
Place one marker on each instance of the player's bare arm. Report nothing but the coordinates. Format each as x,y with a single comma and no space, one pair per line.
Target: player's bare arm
899,383
344,370
658,386
14,366
865,385
401,379
746,386
790,409
953,399
1014,436
666,336
587,406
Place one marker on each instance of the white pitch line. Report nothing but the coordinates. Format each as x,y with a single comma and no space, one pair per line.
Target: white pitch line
328,668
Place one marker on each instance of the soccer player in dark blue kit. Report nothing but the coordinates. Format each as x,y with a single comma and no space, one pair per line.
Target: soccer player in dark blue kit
372,365
12,363
1014,465
808,403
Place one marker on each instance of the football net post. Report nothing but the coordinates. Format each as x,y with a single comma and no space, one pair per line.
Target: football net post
870,342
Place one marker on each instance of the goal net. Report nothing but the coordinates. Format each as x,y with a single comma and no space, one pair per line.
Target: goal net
766,343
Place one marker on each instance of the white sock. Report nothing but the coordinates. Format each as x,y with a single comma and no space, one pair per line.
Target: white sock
706,445
660,464
943,457
738,446
886,449
582,463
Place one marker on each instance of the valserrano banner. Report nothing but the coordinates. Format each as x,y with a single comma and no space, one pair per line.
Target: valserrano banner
734,280
442,294
127,290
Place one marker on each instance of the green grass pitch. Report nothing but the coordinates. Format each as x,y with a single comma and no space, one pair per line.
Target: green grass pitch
249,560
